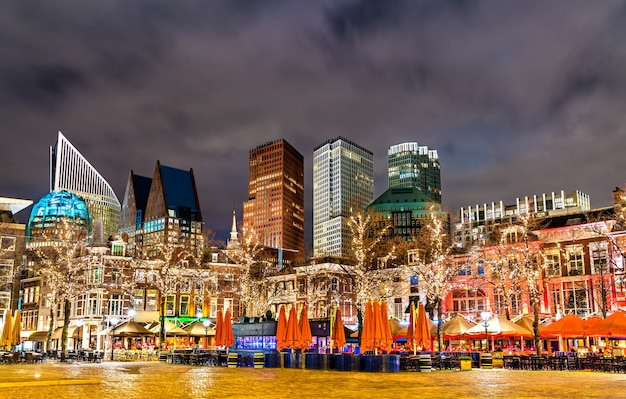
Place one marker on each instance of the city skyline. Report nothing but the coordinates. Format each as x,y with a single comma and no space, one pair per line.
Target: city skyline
518,99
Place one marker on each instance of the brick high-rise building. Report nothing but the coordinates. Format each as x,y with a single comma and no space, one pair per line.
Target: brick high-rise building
274,211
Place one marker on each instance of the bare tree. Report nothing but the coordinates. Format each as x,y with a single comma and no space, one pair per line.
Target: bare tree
433,262
527,253
253,271
372,255
57,260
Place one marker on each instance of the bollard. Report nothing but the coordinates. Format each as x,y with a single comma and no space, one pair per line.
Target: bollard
232,359
425,362
258,360
486,361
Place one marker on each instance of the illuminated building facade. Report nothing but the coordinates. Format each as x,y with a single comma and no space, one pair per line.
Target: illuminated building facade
274,211
169,214
70,171
475,223
12,247
343,182
412,165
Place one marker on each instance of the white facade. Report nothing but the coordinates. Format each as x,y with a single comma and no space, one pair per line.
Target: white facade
343,182
70,171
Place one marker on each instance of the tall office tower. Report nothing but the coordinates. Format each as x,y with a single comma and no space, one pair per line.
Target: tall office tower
70,171
343,182
411,165
274,211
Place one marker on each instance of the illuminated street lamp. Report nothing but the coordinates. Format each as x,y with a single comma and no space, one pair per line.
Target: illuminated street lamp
112,322
206,324
485,316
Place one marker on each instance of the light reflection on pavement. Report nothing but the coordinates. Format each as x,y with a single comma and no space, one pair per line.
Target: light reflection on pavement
158,380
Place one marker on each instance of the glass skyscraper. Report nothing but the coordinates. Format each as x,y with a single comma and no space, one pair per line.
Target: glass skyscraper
343,182
412,165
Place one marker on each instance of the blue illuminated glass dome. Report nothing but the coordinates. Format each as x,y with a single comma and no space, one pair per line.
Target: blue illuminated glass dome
55,207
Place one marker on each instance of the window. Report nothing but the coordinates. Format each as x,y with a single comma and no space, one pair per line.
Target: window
576,298
170,304
599,259
93,305
553,265
151,300
398,309
213,309
184,309
468,300
575,262
138,299
116,305
228,304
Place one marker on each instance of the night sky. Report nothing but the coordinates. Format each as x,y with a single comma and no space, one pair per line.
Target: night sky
518,97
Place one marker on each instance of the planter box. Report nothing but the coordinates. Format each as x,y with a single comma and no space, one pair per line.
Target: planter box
466,365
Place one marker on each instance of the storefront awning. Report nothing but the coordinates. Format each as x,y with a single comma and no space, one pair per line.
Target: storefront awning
38,336
56,334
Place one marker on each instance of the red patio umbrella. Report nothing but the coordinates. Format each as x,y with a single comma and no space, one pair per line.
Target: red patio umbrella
305,328
228,338
281,328
570,326
612,326
219,327
337,332
422,328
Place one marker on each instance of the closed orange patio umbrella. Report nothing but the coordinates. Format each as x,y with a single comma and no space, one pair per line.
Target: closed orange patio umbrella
337,332
367,333
228,338
17,328
387,338
422,328
305,328
410,330
292,333
281,329
219,328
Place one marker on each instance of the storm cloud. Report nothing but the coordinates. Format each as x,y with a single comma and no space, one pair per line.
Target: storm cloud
519,98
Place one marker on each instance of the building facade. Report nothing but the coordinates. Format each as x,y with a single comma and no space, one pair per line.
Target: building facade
474,223
12,250
343,182
70,171
274,211
412,165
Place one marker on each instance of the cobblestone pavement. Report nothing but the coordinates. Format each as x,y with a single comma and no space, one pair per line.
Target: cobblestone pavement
159,380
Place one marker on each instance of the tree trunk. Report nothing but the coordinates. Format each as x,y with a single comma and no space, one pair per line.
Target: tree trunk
359,317
162,320
66,323
439,332
536,326
50,330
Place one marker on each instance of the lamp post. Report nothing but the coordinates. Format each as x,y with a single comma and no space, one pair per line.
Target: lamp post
112,322
485,316
206,324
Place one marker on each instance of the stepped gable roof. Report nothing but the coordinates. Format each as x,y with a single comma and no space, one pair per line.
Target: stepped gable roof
179,189
141,184
400,195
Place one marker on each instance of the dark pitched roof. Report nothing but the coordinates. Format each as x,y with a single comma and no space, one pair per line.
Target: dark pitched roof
180,189
142,191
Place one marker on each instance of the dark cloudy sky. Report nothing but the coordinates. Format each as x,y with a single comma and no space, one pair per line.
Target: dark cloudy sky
518,97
